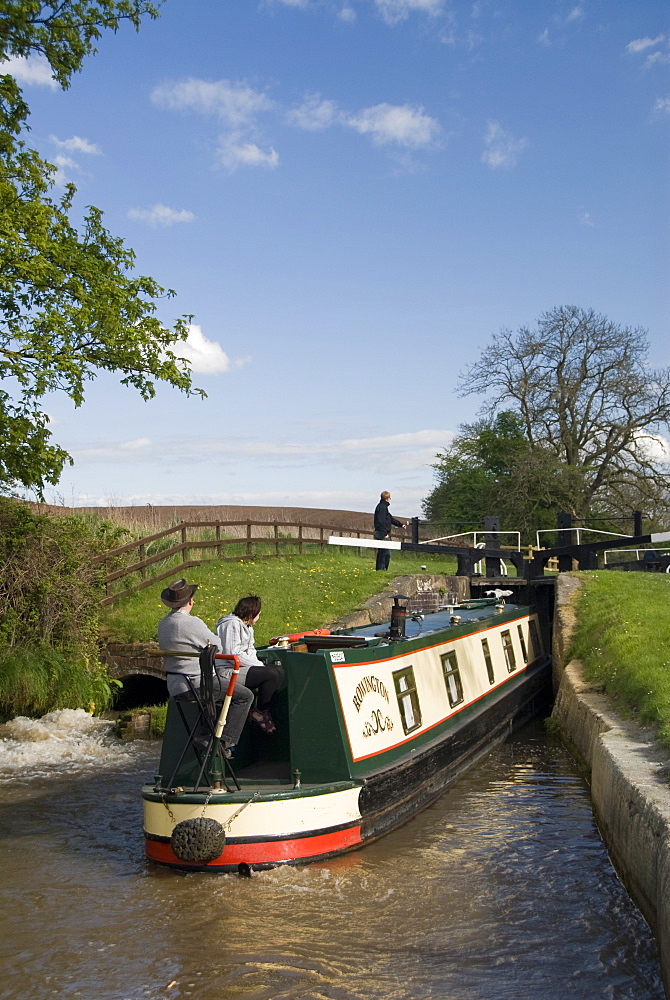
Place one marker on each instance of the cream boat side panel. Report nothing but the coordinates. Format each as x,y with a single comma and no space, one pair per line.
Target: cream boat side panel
278,818
368,696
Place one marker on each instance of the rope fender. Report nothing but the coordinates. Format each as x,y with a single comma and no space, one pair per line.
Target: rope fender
200,840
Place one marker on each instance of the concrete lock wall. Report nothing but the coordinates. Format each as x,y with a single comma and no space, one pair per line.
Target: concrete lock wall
629,778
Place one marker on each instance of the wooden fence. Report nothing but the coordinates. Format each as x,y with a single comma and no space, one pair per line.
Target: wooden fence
243,534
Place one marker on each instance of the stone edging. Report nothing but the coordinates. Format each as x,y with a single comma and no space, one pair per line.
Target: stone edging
629,781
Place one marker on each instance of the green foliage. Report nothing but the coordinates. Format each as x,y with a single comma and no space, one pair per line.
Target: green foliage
49,611
492,469
64,31
157,717
588,397
623,641
298,592
39,679
71,303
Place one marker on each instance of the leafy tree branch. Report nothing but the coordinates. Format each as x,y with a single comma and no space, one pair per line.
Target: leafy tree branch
584,391
71,301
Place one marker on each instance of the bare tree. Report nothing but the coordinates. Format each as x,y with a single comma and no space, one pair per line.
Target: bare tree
583,389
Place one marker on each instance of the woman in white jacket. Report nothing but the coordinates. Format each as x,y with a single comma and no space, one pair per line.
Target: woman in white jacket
236,632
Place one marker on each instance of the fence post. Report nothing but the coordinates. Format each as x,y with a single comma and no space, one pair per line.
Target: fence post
143,569
184,546
276,527
637,522
218,539
492,540
415,531
248,539
300,538
565,521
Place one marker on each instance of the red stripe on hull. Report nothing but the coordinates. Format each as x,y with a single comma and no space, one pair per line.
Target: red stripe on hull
268,852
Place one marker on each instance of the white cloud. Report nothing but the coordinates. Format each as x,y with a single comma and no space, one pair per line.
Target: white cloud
388,454
656,57
502,149
234,152
161,215
136,444
402,125
395,11
654,447
586,219
34,69
235,103
238,105
347,14
77,145
313,114
406,500
574,15
342,474
642,44
387,124
64,165
662,105
204,356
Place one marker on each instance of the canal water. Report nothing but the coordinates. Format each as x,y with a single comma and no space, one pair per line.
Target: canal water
502,890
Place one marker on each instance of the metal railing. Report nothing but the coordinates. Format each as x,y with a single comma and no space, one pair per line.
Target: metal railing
576,530
630,552
475,534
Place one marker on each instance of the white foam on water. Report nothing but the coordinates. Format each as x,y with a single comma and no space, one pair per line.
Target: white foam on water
67,736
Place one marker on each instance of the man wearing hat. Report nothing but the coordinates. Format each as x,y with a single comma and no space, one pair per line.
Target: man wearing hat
180,631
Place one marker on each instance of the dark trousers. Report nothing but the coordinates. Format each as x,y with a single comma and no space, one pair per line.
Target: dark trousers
237,710
383,555
266,680
240,703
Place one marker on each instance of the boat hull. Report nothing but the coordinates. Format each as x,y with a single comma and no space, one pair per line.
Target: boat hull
276,826
319,826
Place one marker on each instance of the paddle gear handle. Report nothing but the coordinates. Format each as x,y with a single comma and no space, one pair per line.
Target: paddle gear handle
223,714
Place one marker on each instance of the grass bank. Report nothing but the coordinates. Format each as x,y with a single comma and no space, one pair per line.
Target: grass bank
622,638
298,592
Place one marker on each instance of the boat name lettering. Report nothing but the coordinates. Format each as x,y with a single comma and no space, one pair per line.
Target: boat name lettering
378,724
369,685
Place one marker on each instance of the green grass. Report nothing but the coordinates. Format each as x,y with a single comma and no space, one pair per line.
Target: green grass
298,592
37,679
623,641
158,716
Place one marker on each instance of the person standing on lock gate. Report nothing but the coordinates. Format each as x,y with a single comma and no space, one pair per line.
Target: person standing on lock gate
383,524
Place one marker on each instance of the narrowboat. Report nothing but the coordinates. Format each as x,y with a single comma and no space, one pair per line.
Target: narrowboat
372,724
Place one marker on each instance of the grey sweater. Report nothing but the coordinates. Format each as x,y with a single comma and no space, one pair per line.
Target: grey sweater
180,631
237,637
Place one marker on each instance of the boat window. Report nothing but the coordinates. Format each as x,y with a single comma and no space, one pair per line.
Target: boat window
408,699
452,678
508,649
489,662
524,651
535,642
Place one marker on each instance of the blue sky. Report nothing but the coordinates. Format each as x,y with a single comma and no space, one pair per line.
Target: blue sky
350,197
